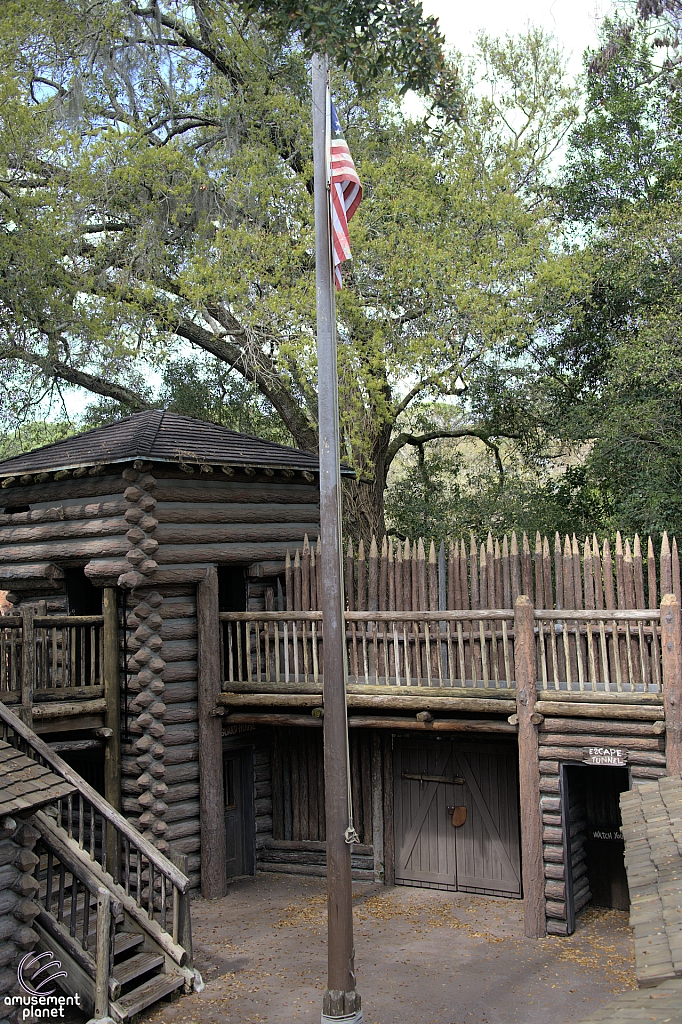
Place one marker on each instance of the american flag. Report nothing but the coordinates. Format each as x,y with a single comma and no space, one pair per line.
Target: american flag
346,193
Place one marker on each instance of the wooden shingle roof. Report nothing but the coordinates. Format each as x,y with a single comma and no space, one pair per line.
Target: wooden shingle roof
160,436
26,785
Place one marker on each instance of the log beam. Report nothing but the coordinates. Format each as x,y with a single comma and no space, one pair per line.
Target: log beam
535,925
671,648
266,718
112,697
211,796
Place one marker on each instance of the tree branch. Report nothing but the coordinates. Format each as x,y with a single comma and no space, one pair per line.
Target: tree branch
404,439
234,75
259,369
58,370
422,385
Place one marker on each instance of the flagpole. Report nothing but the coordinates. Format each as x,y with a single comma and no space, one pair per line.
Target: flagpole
341,998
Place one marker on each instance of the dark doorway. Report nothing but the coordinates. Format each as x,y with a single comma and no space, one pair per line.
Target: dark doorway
89,765
232,597
239,820
83,598
596,842
231,588
457,815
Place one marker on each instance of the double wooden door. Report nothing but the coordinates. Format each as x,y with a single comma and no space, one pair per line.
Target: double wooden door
456,815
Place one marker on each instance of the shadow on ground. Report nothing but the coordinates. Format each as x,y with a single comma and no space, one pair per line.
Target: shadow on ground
423,957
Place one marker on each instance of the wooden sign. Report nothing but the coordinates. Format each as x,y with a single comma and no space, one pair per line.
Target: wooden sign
606,755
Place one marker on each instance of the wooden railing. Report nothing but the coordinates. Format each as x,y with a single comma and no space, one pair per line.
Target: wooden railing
110,850
69,897
43,655
601,650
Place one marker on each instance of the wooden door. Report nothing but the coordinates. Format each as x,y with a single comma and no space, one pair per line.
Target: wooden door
431,778
239,836
424,836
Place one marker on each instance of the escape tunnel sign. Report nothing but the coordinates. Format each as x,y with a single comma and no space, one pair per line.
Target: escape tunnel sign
606,755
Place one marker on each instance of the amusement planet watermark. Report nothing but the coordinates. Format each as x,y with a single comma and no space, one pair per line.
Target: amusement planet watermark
38,1002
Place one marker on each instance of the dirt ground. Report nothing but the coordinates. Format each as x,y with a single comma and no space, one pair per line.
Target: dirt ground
423,957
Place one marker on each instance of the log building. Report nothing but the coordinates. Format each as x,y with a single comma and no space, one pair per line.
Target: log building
148,509
499,701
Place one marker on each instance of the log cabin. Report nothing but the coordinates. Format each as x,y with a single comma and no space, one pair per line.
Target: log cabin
151,513
498,701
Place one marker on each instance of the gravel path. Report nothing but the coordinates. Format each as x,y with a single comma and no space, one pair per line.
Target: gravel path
423,957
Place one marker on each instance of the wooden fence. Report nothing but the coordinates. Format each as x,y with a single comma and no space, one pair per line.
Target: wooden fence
448,620
414,576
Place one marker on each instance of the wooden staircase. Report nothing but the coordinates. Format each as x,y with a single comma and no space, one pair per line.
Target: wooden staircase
113,909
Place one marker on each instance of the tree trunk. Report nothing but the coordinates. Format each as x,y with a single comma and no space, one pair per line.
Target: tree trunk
363,498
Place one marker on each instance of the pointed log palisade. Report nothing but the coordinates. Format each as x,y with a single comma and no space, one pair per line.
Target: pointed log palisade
166,580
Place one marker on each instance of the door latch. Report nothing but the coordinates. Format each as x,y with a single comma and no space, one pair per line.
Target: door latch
458,815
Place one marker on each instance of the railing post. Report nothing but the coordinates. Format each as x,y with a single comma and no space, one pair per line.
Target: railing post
671,651
102,966
184,918
28,664
535,925
211,796
112,695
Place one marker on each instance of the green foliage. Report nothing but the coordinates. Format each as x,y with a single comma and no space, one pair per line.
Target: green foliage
32,435
628,147
212,392
368,39
157,207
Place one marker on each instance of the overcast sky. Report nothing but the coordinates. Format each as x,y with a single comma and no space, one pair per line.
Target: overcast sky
573,22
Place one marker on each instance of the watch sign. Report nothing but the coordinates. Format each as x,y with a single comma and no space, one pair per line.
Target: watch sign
606,755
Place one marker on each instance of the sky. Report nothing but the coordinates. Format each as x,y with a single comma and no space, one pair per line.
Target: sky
573,22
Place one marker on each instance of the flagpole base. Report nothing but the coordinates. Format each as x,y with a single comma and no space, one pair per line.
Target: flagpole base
341,1008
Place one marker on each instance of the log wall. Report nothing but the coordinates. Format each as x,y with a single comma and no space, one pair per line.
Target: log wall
563,824
17,907
296,842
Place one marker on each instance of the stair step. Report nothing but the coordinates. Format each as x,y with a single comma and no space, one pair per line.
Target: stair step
143,996
126,940
141,963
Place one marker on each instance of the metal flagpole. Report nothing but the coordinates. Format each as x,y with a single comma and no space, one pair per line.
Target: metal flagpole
341,1001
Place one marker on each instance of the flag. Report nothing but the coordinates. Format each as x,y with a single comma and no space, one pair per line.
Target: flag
346,193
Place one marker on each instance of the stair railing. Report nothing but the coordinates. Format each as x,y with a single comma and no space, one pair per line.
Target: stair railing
152,889
68,894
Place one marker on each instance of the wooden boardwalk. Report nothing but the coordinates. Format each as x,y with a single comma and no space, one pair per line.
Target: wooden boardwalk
660,1005
652,828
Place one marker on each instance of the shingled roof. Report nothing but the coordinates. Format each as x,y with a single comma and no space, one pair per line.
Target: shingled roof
161,437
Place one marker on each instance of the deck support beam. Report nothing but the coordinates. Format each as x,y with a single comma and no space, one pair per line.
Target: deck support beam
211,796
535,925
112,696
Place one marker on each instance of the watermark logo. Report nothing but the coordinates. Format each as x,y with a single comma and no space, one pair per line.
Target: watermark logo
36,973
40,963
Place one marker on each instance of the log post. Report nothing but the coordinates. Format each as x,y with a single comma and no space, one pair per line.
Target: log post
529,771
377,807
103,940
671,649
182,919
389,835
28,665
112,695
211,796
